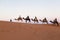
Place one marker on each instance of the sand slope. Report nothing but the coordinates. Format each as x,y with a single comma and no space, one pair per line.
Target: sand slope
23,31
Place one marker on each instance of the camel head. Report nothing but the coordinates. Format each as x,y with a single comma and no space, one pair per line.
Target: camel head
50,21
23,18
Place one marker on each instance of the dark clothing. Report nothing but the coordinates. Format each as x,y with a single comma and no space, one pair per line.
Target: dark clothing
27,18
56,22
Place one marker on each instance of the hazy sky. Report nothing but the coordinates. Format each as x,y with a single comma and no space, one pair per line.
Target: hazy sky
39,8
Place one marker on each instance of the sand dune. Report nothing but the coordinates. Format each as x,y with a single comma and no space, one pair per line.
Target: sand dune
24,31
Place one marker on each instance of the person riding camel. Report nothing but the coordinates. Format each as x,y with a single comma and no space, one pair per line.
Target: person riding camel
44,19
19,17
55,21
35,18
27,17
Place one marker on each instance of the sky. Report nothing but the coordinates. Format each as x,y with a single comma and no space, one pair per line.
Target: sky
10,9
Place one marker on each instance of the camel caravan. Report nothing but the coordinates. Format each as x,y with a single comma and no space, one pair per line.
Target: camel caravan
28,19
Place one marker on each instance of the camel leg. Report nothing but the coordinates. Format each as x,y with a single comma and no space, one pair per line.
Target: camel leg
29,20
57,23
26,21
47,22
37,21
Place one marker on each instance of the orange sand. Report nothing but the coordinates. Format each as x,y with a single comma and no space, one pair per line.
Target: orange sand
23,31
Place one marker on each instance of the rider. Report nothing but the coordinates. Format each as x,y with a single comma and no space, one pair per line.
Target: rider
19,17
55,21
45,19
35,18
27,17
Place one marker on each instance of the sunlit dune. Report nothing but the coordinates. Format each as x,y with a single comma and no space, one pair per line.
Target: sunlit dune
26,31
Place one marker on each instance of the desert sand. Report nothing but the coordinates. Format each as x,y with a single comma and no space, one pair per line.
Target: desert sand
25,31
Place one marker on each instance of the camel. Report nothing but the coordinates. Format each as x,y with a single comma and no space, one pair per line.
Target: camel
35,19
27,19
19,18
44,20
55,22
